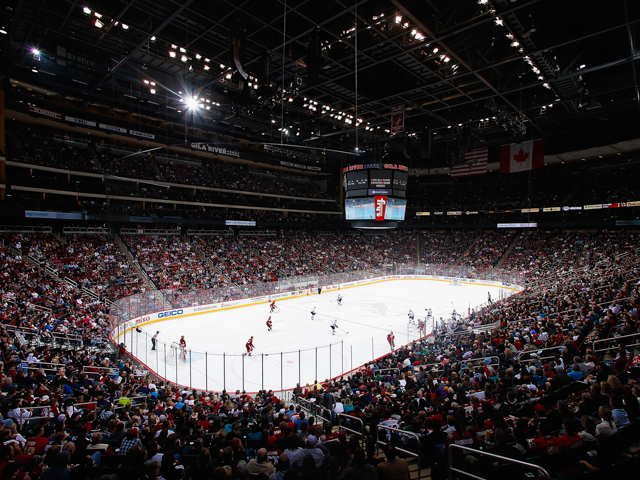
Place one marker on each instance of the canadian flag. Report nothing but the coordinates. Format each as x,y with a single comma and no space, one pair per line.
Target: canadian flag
381,203
520,157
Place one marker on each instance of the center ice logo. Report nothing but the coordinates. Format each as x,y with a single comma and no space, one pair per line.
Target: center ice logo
376,308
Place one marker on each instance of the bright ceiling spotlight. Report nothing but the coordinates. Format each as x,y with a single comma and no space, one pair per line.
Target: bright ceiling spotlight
125,26
99,24
192,103
86,10
172,54
184,58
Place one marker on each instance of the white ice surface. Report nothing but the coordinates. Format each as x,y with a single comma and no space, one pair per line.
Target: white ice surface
368,313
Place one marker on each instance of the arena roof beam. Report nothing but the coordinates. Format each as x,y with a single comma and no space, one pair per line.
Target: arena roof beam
144,42
459,59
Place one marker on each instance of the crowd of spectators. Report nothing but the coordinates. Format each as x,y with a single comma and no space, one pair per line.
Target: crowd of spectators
440,251
97,263
596,181
36,145
394,246
485,252
172,263
236,258
524,377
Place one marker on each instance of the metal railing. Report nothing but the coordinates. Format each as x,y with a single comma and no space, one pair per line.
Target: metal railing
538,353
349,419
614,339
463,364
453,470
406,452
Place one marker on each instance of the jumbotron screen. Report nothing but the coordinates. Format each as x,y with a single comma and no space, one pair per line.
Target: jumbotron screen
365,209
375,191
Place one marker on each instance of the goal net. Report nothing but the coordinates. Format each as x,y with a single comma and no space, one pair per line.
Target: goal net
174,353
455,281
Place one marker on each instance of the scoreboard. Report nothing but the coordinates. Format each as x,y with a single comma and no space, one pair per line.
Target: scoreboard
375,192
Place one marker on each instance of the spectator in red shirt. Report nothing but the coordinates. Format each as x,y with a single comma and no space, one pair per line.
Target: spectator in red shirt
546,443
37,443
460,436
571,438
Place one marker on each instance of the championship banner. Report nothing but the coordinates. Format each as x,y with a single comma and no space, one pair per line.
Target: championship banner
381,206
397,119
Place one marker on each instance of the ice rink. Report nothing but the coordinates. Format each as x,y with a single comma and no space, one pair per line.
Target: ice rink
299,348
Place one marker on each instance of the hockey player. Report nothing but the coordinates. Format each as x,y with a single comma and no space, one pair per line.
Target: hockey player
183,348
391,339
411,316
249,346
313,313
339,299
334,325
269,324
273,306
429,313
422,328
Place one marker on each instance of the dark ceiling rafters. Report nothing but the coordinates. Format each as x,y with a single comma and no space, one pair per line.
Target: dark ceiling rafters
143,43
434,94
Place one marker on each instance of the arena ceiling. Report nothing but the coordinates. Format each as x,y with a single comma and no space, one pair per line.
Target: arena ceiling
327,73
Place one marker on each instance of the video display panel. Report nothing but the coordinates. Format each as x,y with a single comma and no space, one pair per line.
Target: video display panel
400,180
396,208
356,180
380,178
357,193
360,208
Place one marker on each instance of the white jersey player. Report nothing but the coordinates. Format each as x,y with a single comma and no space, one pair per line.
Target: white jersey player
334,325
313,313
339,299
411,316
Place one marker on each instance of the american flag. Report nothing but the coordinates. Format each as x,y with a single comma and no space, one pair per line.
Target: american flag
475,163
